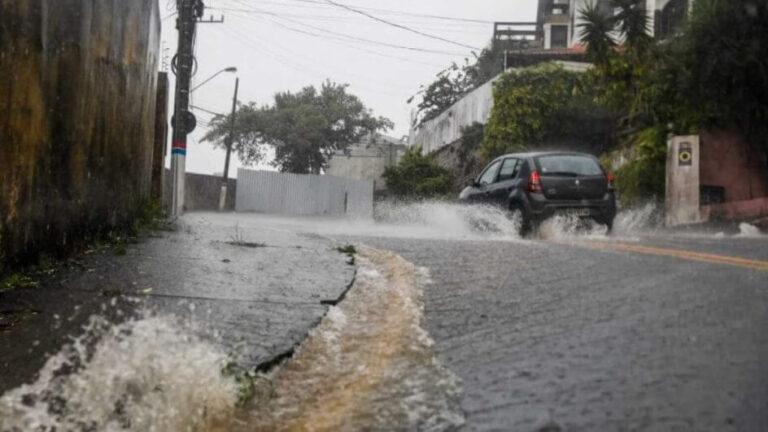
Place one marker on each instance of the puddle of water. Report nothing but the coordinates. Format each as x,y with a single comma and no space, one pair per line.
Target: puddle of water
368,366
145,374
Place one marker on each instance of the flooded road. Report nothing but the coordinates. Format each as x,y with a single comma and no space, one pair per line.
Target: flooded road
454,322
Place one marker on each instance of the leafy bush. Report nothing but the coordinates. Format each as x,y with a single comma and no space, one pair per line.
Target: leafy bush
542,106
417,176
643,175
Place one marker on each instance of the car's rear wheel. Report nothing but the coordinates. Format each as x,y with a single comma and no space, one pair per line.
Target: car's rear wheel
517,214
608,222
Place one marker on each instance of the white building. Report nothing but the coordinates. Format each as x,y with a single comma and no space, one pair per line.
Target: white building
367,160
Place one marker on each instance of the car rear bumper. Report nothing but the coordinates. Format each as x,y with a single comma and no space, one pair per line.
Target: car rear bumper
538,207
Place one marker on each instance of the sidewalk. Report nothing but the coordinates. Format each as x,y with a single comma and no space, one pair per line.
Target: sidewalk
258,290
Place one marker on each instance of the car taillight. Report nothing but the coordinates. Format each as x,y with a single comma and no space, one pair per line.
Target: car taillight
609,177
534,182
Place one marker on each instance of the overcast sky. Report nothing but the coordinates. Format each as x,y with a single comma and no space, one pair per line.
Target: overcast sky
282,45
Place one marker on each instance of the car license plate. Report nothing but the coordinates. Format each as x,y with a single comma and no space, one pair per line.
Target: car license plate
580,212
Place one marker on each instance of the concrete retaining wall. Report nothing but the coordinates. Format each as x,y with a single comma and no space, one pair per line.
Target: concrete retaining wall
77,119
201,192
446,128
303,195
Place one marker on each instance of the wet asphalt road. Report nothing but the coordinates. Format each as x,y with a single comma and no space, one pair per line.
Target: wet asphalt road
600,339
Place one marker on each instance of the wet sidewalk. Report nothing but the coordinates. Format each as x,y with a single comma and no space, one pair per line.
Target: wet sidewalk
257,291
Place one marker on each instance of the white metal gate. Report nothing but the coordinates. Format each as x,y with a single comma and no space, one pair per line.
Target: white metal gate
302,194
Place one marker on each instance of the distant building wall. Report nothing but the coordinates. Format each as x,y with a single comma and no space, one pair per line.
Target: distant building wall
367,160
77,119
302,195
201,192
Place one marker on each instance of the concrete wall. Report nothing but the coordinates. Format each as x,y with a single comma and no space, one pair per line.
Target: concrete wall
728,161
303,195
77,118
367,160
446,128
201,192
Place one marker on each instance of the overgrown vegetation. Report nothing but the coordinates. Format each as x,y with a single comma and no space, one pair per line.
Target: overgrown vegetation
545,106
712,76
417,176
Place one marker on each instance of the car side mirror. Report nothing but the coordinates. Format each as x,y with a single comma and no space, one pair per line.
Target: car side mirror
472,182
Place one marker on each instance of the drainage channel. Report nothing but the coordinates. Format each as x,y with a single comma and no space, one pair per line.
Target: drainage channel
367,366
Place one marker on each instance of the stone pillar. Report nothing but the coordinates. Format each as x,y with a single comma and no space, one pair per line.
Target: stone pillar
682,197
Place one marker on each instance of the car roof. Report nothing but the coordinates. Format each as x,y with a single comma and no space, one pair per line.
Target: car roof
543,153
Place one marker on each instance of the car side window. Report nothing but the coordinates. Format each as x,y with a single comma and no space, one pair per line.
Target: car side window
509,169
489,175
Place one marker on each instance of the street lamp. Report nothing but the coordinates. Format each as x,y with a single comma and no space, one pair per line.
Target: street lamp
229,69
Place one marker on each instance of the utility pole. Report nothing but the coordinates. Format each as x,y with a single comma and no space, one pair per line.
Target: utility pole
183,122
225,177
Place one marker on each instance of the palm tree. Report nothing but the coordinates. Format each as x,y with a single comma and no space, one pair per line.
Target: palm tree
595,32
632,20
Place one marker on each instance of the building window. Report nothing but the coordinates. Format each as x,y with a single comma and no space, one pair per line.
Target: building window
559,36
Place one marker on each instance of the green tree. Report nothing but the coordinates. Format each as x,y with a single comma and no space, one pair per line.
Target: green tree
417,176
721,65
303,128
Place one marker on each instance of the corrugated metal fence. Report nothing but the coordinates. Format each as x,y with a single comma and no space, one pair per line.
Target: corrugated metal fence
298,194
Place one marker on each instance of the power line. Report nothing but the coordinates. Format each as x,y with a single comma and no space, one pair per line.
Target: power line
344,71
346,36
394,24
296,66
403,13
355,19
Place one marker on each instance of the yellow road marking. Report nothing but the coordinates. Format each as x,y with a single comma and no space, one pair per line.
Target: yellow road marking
681,254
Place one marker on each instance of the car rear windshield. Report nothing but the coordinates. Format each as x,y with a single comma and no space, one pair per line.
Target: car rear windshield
568,165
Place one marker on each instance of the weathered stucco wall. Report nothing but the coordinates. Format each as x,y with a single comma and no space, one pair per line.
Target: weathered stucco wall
729,161
77,118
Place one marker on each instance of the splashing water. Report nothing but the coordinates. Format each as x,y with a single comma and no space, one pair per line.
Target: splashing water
442,219
749,231
145,374
644,219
